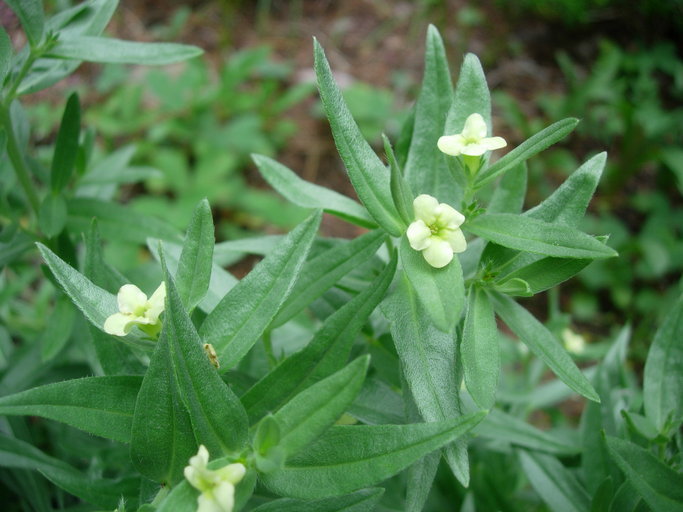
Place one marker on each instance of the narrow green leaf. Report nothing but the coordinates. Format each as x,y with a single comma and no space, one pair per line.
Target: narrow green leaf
32,18
542,343
320,273
218,418
194,268
309,195
530,147
567,205
441,290
531,235
660,486
508,197
663,385
359,501
6,52
162,440
546,273
52,215
428,361
104,493
66,146
627,499
95,303
325,354
471,96
117,222
347,458
420,481
500,426
400,190
102,406
366,171
479,349
117,51
246,311
304,418
426,170
556,485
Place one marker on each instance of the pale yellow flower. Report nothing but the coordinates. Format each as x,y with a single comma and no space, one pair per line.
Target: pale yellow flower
217,486
136,309
436,231
472,141
573,342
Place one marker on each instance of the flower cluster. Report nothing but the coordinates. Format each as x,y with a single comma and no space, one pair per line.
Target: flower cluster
217,487
436,231
136,309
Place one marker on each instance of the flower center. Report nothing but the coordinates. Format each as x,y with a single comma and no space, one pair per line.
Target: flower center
141,309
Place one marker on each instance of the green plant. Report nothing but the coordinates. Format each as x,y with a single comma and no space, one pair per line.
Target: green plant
214,403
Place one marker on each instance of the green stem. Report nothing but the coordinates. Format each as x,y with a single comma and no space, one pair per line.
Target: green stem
163,492
17,159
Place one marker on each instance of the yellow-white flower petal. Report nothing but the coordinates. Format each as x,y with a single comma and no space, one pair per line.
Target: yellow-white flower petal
475,128
232,472
492,143
119,324
207,503
474,149
156,302
448,216
418,235
451,144
439,253
425,207
456,239
130,298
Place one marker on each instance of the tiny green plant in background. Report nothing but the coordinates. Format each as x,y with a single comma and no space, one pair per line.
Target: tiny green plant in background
336,374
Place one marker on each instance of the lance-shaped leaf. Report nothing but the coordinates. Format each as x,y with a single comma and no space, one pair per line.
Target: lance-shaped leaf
542,343
218,418
527,234
304,418
99,405
545,273
428,360
162,440
66,147
310,195
194,268
52,215
117,51
32,17
471,96
366,171
441,290
102,492
359,501
425,169
320,273
663,385
530,147
95,303
556,485
660,486
245,312
479,349
567,205
500,426
326,353
348,458
400,190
